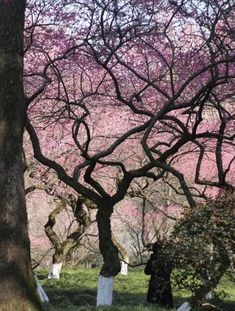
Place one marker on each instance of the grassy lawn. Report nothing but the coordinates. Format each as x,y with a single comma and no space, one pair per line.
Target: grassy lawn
76,291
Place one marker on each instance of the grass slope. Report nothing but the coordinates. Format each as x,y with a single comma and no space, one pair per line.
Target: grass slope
76,291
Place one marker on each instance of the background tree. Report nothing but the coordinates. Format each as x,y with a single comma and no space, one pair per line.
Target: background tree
64,218
83,220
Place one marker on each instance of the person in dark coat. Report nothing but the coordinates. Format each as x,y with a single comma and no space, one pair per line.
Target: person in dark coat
158,267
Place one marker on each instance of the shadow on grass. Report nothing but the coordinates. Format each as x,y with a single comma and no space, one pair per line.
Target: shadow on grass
64,295
83,296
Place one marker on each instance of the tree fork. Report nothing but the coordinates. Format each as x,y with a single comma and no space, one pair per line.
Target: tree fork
62,248
17,283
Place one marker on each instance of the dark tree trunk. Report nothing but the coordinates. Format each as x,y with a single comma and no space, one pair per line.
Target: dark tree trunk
111,266
17,284
59,256
109,251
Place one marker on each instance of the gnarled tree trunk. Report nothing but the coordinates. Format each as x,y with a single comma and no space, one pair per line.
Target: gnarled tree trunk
58,256
62,248
17,283
111,266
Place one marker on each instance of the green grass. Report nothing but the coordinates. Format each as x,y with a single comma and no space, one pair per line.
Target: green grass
76,291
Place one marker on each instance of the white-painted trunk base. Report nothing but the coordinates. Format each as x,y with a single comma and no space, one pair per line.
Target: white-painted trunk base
209,296
42,294
124,268
54,272
105,291
184,307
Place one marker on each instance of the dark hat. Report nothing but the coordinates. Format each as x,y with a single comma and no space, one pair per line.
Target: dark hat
156,247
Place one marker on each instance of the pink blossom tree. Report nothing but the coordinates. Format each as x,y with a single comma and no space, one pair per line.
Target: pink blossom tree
155,78
66,221
130,60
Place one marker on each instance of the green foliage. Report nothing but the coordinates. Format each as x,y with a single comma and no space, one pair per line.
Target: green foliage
186,278
76,291
201,244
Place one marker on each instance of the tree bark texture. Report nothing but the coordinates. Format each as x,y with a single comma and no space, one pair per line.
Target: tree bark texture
17,283
124,256
109,251
122,251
